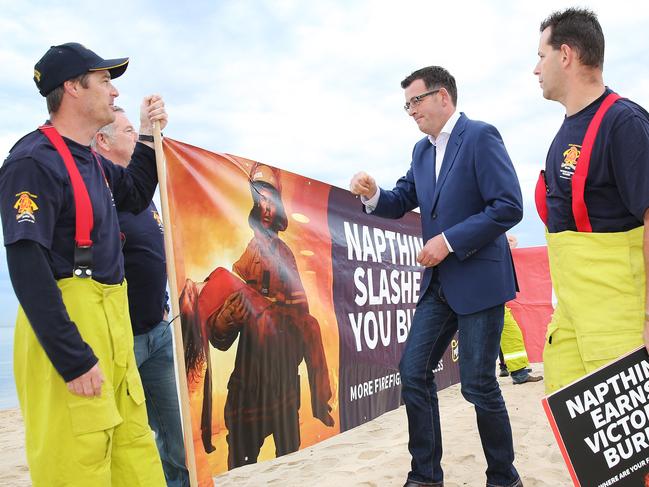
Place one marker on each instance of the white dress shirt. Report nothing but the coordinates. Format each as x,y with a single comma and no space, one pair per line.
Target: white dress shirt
440,142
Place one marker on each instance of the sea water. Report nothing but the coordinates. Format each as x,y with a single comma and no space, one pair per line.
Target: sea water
8,398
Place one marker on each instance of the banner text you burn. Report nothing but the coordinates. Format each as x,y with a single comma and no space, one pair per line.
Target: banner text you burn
378,290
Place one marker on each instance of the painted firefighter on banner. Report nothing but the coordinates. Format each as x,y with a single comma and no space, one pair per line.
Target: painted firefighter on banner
263,304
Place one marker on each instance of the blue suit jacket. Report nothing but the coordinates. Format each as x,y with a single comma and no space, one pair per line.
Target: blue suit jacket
475,200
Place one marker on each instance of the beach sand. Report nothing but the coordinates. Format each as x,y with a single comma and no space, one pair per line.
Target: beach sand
13,464
376,453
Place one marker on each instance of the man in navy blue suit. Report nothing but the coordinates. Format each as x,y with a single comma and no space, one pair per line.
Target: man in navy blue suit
465,186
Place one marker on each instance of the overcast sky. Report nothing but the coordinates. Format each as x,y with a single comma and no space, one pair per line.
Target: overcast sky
313,87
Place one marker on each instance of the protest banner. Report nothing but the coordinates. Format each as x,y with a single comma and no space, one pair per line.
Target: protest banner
601,423
295,306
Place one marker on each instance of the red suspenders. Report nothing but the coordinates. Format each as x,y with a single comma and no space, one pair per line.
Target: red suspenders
578,182
82,204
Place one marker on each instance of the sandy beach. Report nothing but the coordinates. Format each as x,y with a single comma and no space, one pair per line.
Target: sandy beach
13,464
375,454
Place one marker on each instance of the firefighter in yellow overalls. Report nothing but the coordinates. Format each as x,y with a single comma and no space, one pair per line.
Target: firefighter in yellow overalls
513,354
78,385
593,197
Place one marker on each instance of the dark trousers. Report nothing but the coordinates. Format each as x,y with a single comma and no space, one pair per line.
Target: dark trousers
247,433
434,325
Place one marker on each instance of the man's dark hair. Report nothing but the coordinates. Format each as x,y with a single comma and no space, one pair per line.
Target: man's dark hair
579,29
55,96
434,77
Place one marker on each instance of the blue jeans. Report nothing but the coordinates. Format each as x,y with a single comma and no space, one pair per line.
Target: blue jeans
155,361
433,328
520,375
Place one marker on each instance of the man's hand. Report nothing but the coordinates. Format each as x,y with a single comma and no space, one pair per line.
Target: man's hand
512,241
363,184
433,252
151,110
236,309
88,384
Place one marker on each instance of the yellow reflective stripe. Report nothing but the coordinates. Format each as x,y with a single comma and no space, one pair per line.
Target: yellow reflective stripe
287,301
514,355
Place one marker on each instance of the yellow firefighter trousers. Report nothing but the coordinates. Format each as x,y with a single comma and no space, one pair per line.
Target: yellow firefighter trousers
599,282
79,441
512,344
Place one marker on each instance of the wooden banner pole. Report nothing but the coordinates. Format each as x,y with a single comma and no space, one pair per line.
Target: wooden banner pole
173,291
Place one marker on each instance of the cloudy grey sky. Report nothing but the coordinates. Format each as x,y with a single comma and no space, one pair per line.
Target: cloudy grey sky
313,87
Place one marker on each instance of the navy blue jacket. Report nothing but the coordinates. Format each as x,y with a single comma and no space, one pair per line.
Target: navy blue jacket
475,200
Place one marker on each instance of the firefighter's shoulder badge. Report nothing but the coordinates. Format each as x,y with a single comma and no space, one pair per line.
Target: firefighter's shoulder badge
25,207
156,217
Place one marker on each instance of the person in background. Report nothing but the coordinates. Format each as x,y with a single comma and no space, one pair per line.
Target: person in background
146,274
513,355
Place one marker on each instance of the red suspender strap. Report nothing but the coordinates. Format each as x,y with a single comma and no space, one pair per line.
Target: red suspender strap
578,182
82,204
540,198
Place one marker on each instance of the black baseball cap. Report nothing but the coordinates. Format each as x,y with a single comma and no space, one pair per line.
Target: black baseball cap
67,61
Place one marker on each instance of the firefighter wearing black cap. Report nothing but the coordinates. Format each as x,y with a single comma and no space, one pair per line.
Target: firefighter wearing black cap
78,386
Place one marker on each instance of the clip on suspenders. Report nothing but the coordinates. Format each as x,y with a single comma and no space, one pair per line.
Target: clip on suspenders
540,194
83,206
578,182
579,210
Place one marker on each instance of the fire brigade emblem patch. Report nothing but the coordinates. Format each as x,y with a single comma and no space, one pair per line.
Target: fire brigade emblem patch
569,163
25,207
